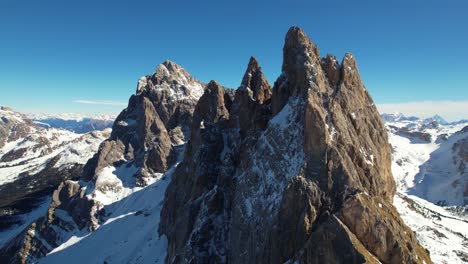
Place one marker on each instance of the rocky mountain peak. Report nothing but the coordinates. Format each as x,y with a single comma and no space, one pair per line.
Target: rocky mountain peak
251,108
350,74
146,139
332,69
301,177
301,70
318,168
300,56
172,81
171,71
212,106
255,83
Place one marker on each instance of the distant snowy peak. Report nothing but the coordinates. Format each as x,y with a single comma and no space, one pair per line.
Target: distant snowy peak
74,122
172,81
70,116
399,117
439,119
396,117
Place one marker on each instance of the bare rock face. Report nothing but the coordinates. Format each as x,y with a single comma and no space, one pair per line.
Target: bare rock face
204,157
251,110
297,173
157,117
143,142
69,209
303,175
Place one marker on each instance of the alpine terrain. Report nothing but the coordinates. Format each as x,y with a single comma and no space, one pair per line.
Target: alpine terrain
33,162
297,172
429,160
78,123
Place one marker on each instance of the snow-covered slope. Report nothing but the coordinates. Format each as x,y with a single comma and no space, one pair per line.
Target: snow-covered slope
430,196
33,162
112,209
129,230
30,154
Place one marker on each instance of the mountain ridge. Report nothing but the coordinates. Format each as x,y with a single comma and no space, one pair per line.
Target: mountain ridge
258,174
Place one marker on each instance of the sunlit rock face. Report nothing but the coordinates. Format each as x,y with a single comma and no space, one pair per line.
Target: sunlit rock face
298,172
145,142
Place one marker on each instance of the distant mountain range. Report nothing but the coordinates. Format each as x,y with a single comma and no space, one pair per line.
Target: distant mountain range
399,117
77,123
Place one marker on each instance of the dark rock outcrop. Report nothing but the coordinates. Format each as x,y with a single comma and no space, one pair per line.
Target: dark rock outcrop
157,118
145,136
305,176
295,174
251,110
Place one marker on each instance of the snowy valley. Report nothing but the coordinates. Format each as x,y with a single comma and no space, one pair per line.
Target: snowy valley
428,164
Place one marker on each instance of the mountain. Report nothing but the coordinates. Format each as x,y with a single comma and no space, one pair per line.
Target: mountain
318,170
395,117
76,123
432,184
199,173
122,185
439,119
33,162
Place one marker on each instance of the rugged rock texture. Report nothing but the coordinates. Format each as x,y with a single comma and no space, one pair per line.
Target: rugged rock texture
295,173
46,233
35,160
157,117
302,177
144,142
204,158
252,109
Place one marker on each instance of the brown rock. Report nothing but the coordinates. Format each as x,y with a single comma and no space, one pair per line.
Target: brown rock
292,190
251,107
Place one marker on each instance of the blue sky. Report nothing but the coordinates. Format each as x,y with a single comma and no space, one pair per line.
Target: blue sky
55,53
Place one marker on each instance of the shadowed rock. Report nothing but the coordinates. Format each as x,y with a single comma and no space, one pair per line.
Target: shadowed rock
311,183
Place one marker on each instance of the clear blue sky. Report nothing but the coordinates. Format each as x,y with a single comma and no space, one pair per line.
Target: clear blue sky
55,52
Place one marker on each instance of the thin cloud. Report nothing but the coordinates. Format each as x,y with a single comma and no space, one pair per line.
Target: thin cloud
100,102
449,110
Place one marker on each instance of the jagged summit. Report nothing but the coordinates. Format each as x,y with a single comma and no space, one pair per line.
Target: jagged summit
332,69
169,71
251,108
172,81
255,82
312,164
300,173
252,68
